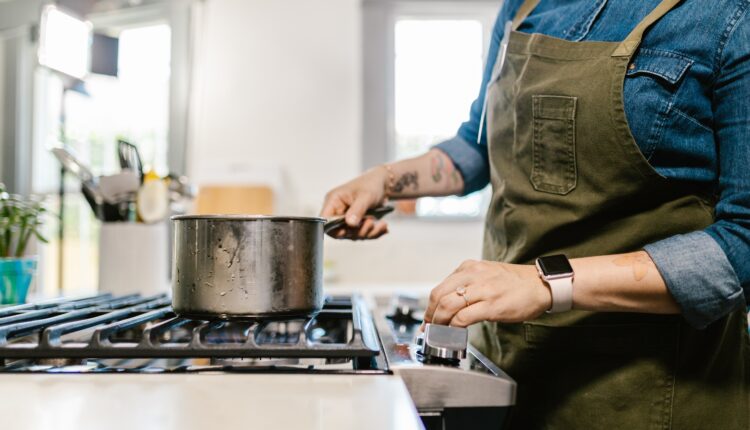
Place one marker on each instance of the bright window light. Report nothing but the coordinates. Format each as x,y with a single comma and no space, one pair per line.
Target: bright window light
133,106
65,43
438,70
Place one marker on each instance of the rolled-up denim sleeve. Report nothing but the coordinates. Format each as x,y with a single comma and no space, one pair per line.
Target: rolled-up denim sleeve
708,272
471,160
699,276
468,150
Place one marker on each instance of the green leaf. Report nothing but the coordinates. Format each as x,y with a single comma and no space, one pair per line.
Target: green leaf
19,219
40,237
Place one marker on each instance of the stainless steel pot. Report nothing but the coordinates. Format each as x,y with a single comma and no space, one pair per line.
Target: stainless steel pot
249,266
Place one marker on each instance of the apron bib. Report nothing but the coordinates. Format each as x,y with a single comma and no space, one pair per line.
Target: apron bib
568,177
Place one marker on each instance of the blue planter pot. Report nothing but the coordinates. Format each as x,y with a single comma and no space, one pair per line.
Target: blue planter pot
15,277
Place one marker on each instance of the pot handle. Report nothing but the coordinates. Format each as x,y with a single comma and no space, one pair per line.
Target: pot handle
377,213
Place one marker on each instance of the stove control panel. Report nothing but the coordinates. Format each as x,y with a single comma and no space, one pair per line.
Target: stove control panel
443,343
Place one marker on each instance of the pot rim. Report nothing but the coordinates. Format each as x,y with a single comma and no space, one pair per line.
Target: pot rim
269,218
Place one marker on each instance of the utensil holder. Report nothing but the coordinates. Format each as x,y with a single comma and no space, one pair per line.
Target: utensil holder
134,258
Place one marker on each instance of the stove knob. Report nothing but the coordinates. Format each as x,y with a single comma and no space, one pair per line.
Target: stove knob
444,343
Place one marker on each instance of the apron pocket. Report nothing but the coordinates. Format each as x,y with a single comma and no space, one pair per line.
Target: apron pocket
554,149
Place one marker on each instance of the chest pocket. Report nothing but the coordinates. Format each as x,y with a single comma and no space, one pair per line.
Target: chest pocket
554,150
652,81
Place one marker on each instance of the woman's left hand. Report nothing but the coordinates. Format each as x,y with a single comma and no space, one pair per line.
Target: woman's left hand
491,292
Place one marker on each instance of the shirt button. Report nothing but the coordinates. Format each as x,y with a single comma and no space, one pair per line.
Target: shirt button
631,66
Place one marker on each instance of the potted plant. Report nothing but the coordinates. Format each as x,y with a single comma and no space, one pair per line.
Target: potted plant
20,220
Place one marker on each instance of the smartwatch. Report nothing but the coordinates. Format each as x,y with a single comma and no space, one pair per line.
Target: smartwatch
557,272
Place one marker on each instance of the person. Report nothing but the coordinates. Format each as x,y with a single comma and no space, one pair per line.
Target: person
615,276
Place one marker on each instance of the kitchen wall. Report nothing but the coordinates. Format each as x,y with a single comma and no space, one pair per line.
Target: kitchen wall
278,94
277,98
2,98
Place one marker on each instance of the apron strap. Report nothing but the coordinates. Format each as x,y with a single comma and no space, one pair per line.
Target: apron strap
523,12
628,46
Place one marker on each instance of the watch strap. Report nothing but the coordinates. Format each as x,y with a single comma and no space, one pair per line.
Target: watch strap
562,294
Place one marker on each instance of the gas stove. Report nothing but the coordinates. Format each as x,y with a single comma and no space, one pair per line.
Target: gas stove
451,384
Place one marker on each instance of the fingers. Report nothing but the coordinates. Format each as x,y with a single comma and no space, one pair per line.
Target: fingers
366,227
369,229
466,265
358,226
452,303
471,315
447,307
460,277
333,206
379,229
448,286
357,210
372,229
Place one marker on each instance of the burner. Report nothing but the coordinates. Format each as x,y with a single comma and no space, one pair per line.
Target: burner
136,327
453,385
60,362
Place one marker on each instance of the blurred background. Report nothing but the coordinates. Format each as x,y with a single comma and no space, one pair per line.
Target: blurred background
251,106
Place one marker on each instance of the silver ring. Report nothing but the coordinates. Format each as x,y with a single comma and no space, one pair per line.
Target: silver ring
461,291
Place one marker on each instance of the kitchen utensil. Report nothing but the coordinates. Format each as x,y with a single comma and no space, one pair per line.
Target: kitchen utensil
119,187
95,200
130,158
103,209
72,164
180,187
249,266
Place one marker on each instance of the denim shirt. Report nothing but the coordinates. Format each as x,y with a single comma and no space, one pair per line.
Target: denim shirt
687,100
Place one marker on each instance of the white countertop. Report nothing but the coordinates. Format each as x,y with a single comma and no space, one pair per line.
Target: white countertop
205,401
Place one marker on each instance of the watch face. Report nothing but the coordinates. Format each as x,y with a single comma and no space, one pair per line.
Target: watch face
555,265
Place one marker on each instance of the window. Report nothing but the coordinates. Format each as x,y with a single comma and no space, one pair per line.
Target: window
435,55
437,63
133,106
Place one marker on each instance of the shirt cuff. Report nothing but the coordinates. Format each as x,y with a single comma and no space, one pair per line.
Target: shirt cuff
699,276
471,160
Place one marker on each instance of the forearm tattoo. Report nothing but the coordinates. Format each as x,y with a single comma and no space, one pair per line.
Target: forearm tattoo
409,179
640,264
439,170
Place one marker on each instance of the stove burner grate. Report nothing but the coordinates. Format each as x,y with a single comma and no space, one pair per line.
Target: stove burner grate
103,326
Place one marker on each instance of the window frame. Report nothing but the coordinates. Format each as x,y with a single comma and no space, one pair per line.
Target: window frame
180,16
379,21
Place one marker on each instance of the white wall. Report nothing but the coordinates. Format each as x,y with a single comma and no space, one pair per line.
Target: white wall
278,86
2,99
278,98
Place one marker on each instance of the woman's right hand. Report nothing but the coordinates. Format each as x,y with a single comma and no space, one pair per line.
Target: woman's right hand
352,200
430,174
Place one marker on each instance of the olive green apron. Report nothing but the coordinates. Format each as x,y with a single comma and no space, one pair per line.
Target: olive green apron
569,178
